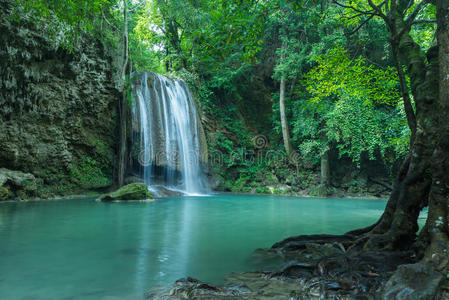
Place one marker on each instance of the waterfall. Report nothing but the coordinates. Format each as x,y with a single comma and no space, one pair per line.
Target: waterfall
167,134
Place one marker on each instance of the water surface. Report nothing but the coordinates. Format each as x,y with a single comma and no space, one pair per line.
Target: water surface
82,249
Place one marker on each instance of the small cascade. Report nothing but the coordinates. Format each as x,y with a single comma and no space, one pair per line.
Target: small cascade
168,141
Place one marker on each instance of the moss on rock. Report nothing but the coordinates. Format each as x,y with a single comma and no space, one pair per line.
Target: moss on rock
4,193
133,191
58,109
16,184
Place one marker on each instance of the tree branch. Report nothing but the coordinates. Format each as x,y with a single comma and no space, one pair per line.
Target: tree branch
409,5
424,21
361,25
378,8
354,16
413,15
354,8
409,112
409,21
107,21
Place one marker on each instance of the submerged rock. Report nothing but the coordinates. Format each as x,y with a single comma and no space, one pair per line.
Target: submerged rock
161,191
317,267
133,191
255,287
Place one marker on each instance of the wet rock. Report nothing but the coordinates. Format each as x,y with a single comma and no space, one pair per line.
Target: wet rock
16,184
267,260
58,107
301,241
216,182
326,268
161,191
413,282
324,250
4,193
319,267
321,190
133,191
17,178
190,288
296,270
258,285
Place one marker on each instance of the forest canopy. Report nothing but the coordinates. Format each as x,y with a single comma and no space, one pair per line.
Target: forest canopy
333,59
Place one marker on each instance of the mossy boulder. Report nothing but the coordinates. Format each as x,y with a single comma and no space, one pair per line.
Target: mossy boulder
16,184
133,191
4,193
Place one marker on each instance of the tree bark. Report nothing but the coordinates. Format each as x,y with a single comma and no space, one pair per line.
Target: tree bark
325,169
408,108
398,225
424,177
434,237
438,217
284,122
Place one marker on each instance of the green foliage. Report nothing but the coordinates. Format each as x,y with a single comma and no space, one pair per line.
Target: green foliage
240,184
353,106
88,174
304,34
356,128
66,20
72,12
338,75
202,35
262,190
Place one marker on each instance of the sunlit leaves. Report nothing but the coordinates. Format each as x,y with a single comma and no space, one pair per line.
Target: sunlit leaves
356,106
336,75
358,127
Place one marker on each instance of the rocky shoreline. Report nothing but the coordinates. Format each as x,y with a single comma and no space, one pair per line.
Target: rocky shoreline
317,267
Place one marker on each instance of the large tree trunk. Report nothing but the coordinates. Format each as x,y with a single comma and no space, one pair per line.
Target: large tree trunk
398,225
437,222
424,279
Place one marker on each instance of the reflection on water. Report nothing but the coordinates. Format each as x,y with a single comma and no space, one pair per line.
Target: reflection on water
81,249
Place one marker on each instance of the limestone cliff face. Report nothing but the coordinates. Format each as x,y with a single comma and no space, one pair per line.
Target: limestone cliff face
58,111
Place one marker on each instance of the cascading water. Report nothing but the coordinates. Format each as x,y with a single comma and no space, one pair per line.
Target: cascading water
167,134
